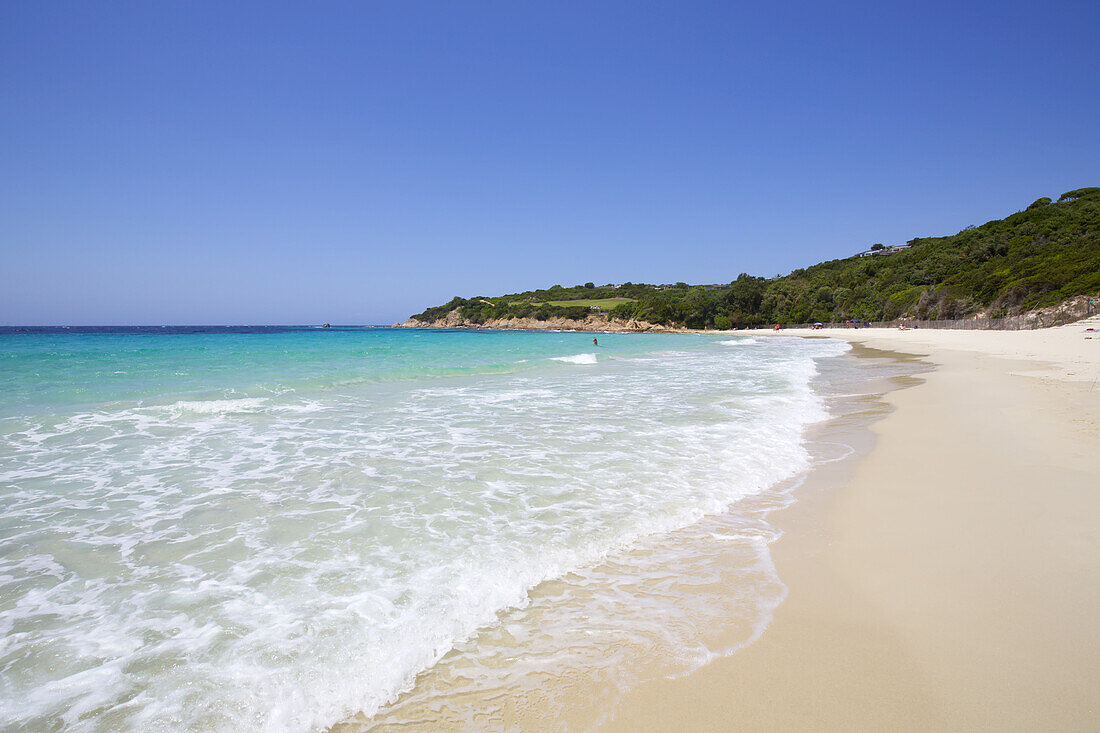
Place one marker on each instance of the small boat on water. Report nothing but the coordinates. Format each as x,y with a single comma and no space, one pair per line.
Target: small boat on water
326,325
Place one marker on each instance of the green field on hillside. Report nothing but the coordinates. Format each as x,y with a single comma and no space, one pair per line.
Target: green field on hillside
1038,256
603,304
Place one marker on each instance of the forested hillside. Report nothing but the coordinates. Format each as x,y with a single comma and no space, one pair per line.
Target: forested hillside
1036,257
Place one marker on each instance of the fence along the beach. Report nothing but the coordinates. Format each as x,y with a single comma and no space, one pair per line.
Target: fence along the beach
1009,323
1057,316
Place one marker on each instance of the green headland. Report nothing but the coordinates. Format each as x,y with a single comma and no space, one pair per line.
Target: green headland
1040,256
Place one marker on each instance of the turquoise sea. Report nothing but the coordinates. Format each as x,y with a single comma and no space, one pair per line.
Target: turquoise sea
278,528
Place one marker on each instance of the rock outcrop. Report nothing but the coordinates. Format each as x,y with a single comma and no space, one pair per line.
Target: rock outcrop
1065,312
1068,311
594,322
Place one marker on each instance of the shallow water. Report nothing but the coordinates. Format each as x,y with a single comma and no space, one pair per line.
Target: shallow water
274,529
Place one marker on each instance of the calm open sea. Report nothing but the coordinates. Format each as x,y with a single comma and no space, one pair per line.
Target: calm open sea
277,528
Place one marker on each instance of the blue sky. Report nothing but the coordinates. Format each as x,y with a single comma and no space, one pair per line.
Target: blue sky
270,162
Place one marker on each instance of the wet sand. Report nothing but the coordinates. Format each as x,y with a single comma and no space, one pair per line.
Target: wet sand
947,580
564,661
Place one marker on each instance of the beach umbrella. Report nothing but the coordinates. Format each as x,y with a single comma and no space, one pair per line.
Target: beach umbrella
818,323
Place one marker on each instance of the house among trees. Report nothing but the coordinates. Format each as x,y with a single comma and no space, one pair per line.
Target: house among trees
882,249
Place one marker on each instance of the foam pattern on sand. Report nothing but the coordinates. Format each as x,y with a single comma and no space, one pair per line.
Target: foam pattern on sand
283,559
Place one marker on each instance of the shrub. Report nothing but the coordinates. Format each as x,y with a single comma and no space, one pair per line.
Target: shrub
1032,258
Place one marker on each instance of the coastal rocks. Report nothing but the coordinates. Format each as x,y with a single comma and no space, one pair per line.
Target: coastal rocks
1068,311
1074,309
595,322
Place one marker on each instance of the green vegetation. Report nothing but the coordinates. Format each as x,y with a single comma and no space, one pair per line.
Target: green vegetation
605,304
555,302
1033,258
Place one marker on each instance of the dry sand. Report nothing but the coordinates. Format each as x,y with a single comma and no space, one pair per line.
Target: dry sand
948,580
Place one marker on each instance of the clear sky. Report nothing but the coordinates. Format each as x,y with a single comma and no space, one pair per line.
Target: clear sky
268,162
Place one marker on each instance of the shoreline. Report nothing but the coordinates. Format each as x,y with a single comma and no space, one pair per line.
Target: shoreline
710,570
944,580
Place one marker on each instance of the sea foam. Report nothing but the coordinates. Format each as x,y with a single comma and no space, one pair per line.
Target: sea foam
286,561
576,358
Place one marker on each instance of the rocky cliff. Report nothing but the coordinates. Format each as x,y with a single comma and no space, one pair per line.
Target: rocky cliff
594,322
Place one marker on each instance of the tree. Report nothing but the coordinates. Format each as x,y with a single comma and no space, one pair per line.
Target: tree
1079,193
877,246
1030,259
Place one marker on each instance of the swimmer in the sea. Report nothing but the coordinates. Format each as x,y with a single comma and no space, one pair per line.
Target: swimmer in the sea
595,342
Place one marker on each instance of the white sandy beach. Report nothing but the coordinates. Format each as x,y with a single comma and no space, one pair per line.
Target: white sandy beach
950,579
